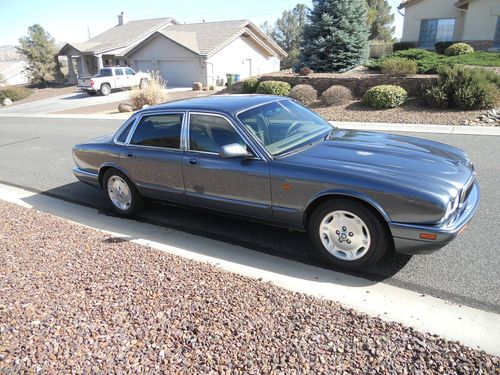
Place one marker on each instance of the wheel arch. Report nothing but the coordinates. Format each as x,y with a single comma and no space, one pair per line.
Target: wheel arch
369,203
105,167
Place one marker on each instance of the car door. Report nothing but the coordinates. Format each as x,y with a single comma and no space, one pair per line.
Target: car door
153,156
120,78
131,81
239,185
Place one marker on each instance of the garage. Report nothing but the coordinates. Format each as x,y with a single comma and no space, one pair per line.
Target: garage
144,65
180,72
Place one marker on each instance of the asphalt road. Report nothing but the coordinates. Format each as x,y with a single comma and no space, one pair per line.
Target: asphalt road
36,154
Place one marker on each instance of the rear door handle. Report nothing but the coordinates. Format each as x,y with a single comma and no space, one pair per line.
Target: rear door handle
130,154
193,161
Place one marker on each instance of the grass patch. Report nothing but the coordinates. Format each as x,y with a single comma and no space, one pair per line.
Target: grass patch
14,93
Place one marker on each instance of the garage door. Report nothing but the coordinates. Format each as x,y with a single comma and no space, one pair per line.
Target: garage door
179,73
144,65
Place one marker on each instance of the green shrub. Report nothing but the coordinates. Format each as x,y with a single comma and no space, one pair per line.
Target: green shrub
464,88
380,49
401,46
385,96
274,88
336,94
305,94
14,93
399,66
440,47
250,85
458,49
476,59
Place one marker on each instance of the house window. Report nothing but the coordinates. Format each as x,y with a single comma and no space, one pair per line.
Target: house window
436,30
497,33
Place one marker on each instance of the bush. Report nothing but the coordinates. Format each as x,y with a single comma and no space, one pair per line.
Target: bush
399,66
385,96
305,94
274,88
464,88
441,47
153,93
249,85
305,71
378,50
14,93
335,95
458,49
427,61
402,46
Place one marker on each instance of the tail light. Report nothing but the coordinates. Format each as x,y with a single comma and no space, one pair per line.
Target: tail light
91,82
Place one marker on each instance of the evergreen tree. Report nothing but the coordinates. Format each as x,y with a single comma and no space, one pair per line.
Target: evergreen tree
380,20
336,35
39,49
288,31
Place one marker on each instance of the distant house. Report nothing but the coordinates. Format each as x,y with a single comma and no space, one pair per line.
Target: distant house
476,22
181,53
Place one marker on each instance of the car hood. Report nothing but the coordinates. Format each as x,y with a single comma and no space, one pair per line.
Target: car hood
403,159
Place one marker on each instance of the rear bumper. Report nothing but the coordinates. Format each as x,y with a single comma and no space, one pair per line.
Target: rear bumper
87,177
407,236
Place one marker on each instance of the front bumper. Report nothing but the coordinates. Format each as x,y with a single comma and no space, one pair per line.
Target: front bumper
87,177
407,236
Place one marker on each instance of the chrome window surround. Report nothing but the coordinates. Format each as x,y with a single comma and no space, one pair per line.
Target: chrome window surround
246,139
156,113
132,119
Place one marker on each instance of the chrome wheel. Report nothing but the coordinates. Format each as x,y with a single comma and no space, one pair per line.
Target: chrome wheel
344,235
119,193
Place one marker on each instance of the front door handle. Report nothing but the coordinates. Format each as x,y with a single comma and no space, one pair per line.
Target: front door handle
193,161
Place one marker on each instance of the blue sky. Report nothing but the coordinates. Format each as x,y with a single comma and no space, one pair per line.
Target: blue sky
70,20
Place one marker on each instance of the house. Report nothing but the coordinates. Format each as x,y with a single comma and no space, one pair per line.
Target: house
181,53
476,22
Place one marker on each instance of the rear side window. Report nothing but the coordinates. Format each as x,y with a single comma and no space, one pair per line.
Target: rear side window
124,134
159,131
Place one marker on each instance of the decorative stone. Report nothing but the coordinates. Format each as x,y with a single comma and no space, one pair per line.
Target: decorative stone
197,86
7,101
125,107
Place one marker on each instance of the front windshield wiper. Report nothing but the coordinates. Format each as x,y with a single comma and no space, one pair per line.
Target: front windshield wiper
329,134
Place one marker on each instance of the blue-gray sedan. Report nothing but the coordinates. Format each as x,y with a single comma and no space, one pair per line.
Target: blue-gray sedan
269,159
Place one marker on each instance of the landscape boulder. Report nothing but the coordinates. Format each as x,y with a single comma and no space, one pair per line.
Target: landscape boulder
7,101
197,86
125,107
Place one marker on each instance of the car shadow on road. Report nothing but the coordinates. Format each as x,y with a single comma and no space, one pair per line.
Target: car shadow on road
197,229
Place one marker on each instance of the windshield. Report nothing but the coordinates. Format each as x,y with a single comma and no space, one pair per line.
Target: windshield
284,126
105,73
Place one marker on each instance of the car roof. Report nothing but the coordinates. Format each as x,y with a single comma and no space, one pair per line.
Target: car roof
231,104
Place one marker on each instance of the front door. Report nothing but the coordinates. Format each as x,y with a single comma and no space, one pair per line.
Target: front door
153,157
237,185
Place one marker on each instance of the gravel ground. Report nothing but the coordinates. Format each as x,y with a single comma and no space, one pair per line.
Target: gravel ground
75,300
45,93
410,113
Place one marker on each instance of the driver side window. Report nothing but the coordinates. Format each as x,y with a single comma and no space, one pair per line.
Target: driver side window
209,133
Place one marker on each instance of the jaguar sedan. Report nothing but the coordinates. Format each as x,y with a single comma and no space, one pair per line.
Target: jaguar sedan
358,194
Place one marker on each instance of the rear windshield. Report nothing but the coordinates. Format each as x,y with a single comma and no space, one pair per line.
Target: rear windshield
106,72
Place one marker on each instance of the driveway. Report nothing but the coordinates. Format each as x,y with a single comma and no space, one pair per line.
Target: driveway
71,101
36,154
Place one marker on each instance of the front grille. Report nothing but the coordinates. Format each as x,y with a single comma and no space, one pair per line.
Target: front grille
467,188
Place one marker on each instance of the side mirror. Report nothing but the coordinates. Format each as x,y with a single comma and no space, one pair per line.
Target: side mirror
233,150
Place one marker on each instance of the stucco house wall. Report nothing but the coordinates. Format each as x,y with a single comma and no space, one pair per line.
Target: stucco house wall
242,56
430,9
481,20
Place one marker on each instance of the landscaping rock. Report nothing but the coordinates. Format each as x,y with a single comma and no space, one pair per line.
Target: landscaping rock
76,300
197,86
6,102
125,107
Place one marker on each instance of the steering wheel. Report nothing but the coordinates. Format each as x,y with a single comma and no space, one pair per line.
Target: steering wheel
293,128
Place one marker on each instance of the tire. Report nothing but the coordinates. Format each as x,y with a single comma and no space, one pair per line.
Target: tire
105,89
347,234
143,83
92,93
129,202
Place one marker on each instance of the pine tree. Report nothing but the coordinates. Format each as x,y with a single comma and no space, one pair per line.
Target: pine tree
336,35
380,20
288,31
39,49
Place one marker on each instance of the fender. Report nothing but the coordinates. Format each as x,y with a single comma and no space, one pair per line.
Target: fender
105,166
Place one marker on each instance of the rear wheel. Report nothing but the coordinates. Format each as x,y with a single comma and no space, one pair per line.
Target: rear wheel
121,193
105,89
347,234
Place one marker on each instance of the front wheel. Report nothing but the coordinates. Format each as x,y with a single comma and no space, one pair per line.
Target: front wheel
121,193
348,234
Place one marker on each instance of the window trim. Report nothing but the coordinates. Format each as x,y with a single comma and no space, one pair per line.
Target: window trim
248,143
156,113
420,45
132,119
